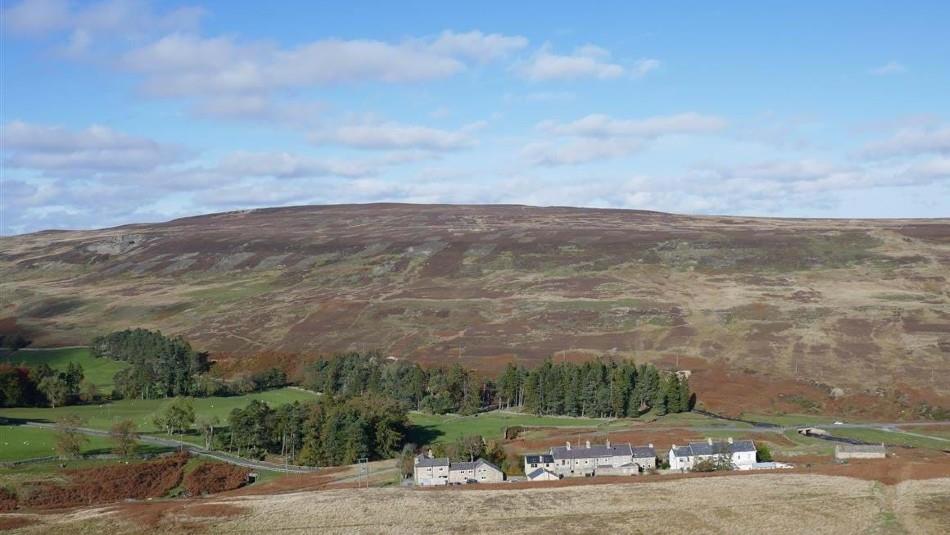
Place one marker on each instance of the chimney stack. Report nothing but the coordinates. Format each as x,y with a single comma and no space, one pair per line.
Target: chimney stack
588,444
729,440
568,446
608,443
709,440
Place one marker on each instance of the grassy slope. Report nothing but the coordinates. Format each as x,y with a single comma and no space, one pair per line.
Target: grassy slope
430,428
19,442
891,438
98,370
142,411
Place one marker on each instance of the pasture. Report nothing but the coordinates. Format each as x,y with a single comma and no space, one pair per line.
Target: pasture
20,442
99,371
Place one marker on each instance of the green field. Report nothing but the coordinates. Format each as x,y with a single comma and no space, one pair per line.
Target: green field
98,370
431,428
21,442
141,411
789,419
891,438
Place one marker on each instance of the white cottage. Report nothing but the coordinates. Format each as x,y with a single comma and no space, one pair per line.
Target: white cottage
739,453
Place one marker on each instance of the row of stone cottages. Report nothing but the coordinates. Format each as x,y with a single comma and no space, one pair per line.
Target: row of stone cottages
590,460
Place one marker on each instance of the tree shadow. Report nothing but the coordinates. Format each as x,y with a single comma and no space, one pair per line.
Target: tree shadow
421,435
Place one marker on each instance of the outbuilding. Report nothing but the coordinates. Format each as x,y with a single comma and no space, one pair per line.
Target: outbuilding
860,451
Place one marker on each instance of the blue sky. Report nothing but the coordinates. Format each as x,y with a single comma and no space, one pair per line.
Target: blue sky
128,110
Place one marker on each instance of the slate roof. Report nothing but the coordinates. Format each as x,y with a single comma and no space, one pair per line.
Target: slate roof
642,452
539,472
486,463
539,459
716,448
597,450
682,451
471,465
861,448
466,465
425,462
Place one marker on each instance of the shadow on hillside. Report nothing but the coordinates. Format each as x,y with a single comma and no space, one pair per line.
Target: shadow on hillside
423,434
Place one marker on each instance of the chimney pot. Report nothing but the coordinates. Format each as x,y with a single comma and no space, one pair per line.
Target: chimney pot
709,440
730,440
568,445
650,445
608,442
588,444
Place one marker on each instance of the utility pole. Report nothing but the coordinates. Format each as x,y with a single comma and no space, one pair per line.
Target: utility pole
363,475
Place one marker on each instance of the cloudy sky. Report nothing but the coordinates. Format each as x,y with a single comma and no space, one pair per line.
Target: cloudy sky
129,110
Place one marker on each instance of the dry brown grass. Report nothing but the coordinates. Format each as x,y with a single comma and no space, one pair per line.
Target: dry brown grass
766,503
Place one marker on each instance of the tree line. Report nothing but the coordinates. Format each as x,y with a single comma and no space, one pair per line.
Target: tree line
598,388
322,432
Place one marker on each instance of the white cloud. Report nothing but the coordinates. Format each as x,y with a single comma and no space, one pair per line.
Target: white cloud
888,69
580,151
287,165
100,148
911,141
36,16
642,67
478,46
392,135
87,23
600,137
599,125
188,65
587,61
228,78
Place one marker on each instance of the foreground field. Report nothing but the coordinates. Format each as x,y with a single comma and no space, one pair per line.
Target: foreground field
764,503
99,371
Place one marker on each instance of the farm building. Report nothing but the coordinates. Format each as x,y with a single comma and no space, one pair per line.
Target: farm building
860,451
533,462
605,459
428,471
739,453
480,471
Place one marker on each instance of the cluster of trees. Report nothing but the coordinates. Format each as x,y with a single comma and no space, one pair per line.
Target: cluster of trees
323,432
69,438
18,387
597,388
436,390
161,366
14,341
39,386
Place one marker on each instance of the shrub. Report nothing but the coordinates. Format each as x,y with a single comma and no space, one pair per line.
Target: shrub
210,478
